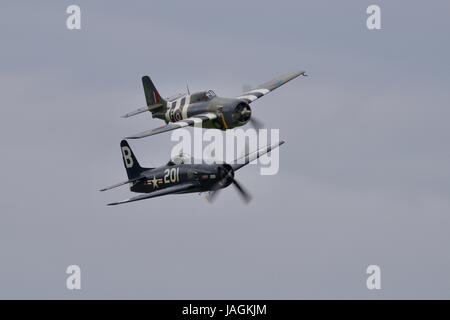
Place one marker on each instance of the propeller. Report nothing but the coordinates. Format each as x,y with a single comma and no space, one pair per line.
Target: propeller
212,195
242,192
228,176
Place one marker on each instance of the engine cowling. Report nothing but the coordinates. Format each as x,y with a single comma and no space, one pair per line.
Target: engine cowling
234,114
225,175
241,114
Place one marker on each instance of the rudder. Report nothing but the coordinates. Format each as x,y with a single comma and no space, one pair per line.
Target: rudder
129,161
152,95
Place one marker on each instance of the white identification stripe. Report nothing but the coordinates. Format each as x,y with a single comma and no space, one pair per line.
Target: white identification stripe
167,113
178,105
210,116
196,120
263,91
181,124
185,107
249,97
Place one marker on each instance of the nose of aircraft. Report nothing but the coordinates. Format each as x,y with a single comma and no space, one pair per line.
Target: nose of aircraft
242,113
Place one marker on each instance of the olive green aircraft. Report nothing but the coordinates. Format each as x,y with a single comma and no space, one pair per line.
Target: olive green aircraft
204,109
182,175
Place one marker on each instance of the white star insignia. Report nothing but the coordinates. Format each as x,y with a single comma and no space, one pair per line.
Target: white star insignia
155,182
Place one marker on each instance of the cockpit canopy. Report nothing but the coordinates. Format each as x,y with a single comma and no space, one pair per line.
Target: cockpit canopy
182,158
202,96
185,158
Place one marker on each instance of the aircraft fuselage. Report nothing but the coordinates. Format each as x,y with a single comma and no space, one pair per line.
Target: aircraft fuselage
231,112
203,176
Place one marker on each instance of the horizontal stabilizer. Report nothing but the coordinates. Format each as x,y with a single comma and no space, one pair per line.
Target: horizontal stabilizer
169,190
135,112
121,183
150,108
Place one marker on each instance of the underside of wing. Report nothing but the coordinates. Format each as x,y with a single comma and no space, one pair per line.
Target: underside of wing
269,86
195,120
169,190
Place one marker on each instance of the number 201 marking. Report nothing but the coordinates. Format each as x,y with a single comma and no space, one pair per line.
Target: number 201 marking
172,175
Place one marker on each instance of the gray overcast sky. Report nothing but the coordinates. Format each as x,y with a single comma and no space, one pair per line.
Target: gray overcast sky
364,178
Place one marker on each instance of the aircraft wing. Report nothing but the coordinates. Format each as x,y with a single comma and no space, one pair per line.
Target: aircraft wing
269,86
249,157
169,190
198,119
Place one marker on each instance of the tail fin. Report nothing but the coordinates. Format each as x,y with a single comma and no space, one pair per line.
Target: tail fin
129,161
152,95
155,104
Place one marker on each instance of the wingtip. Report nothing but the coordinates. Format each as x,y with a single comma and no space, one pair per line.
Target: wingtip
113,203
118,202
